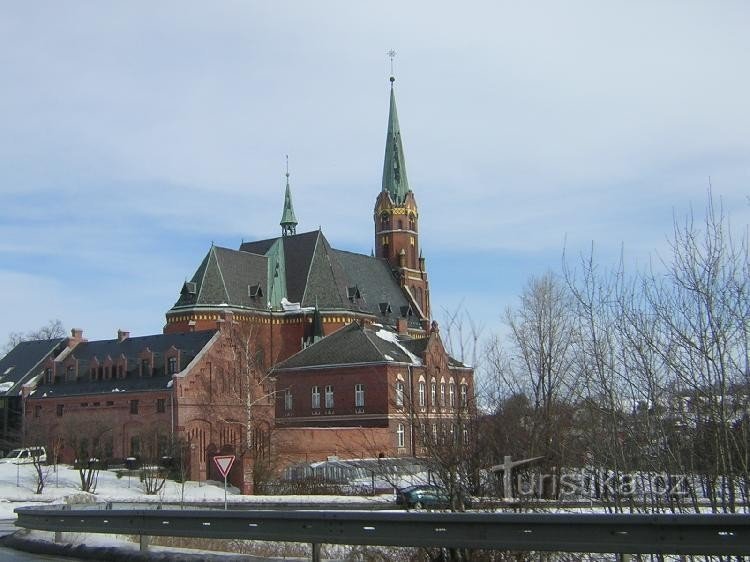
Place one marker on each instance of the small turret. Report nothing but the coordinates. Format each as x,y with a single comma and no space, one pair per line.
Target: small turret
288,220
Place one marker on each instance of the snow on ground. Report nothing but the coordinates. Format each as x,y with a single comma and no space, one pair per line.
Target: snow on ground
18,486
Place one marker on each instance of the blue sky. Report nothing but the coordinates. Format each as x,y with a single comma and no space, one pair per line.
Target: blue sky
136,133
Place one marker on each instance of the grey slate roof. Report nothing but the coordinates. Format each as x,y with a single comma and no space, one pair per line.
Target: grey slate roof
225,276
352,344
24,362
189,344
315,274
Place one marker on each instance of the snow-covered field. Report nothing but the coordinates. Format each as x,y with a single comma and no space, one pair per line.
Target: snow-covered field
18,486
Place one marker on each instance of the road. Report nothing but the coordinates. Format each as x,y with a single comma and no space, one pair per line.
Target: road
9,555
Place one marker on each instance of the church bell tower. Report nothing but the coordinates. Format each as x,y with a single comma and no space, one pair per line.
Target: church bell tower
397,219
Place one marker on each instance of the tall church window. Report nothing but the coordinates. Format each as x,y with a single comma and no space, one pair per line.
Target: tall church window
359,396
172,365
422,391
452,394
464,390
433,392
442,392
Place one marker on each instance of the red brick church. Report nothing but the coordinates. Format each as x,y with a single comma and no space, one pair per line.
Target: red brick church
281,351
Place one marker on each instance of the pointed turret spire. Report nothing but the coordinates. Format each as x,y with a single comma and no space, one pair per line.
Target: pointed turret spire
394,165
288,220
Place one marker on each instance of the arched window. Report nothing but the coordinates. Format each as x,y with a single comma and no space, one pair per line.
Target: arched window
452,394
399,393
422,392
433,392
464,392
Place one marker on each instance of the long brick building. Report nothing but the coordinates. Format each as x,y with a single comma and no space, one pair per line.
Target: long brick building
285,349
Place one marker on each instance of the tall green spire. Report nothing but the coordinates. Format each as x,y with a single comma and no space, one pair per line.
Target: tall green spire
288,220
394,165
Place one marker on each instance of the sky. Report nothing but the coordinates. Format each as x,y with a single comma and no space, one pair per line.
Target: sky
133,135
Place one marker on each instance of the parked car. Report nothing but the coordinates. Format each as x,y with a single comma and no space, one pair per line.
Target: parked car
25,455
423,496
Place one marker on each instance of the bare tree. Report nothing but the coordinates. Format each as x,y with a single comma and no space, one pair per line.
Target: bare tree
52,330
535,362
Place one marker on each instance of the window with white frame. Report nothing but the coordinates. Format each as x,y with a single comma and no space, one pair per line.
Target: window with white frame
433,392
288,400
442,393
359,396
316,398
400,437
399,393
422,391
329,397
464,390
452,394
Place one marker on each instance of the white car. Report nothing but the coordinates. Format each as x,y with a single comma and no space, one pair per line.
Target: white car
25,455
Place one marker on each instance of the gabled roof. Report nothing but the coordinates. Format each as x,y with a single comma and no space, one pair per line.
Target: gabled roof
353,344
24,362
376,283
303,268
188,343
227,277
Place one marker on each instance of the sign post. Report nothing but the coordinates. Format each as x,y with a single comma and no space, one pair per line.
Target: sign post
224,464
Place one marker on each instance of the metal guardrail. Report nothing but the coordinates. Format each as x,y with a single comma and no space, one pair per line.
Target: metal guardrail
618,533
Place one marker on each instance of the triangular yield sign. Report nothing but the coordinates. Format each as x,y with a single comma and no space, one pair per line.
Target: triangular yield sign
224,463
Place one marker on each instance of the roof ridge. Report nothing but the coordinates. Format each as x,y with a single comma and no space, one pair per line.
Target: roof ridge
221,276
203,277
310,266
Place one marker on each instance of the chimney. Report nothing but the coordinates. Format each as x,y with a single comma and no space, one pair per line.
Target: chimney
402,325
122,335
76,337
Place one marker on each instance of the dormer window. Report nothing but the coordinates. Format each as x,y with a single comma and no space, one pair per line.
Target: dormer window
406,311
385,308
255,291
189,288
353,293
145,368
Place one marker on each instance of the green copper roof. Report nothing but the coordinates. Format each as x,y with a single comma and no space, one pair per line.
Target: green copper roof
276,274
288,220
394,166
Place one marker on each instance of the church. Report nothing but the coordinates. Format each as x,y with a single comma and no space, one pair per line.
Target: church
284,350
